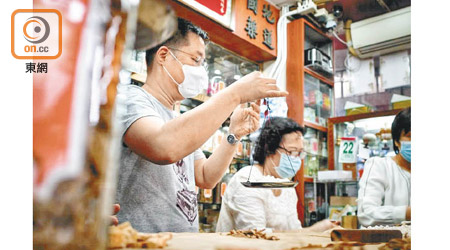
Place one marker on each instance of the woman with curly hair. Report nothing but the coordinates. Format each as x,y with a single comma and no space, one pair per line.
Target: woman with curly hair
279,154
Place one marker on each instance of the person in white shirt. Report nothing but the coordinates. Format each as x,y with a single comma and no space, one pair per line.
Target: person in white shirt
384,195
279,153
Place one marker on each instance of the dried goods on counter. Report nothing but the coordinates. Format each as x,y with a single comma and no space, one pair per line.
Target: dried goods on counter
253,234
341,245
397,244
404,227
125,236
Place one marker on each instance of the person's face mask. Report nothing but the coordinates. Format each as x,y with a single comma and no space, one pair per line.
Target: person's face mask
405,150
195,79
285,169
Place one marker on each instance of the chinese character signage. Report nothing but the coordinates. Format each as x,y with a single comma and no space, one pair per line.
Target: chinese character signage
256,22
218,10
267,38
267,14
253,6
251,28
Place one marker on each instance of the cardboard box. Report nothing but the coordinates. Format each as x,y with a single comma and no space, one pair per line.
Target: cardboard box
342,201
339,205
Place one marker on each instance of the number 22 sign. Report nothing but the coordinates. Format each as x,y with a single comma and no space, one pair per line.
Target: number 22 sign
347,151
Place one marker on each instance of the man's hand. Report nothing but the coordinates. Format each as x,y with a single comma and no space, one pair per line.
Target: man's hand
244,120
255,86
114,220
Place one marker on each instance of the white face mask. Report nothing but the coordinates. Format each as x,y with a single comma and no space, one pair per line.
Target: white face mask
195,79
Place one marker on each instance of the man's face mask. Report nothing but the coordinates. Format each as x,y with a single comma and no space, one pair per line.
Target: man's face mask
195,79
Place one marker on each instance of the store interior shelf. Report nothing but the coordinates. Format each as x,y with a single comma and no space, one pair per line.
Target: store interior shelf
317,105
315,126
337,181
316,155
241,160
201,98
309,179
209,204
319,76
139,77
235,158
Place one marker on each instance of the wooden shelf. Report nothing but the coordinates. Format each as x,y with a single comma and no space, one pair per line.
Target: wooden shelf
315,126
322,37
319,76
300,31
308,179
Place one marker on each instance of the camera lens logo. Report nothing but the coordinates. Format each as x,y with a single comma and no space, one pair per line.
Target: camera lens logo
40,29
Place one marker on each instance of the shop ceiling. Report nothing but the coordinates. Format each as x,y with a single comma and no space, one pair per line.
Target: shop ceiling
357,10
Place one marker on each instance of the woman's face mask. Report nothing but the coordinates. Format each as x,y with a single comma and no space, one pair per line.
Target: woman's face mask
405,150
289,165
195,79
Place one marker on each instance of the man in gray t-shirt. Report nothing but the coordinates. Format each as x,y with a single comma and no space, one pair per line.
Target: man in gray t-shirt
155,198
161,162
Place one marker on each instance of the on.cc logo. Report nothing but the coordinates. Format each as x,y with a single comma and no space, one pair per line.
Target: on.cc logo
36,34
41,30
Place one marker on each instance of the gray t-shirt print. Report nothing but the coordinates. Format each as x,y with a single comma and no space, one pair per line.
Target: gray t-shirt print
152,197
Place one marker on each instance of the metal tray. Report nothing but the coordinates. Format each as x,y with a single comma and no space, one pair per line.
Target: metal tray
289,184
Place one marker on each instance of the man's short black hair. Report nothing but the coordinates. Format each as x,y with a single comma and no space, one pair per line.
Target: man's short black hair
271,134
402,122
180,38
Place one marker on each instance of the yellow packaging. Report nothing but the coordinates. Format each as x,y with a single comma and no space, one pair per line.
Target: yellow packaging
360,110
401,105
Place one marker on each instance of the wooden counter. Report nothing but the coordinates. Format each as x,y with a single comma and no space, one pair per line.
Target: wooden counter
216,241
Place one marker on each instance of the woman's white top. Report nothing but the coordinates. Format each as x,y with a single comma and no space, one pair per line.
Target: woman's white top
384,192
250,208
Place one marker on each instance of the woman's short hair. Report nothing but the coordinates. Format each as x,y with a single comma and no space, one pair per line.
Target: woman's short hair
271,134
402,122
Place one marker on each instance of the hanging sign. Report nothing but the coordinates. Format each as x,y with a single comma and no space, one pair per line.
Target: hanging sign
218,10
348,150
256,22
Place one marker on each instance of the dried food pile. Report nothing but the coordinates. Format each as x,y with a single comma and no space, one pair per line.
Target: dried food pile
397,244
253,233
125,236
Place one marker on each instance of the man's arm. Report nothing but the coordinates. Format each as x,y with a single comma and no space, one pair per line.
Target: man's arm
165,143
243,121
